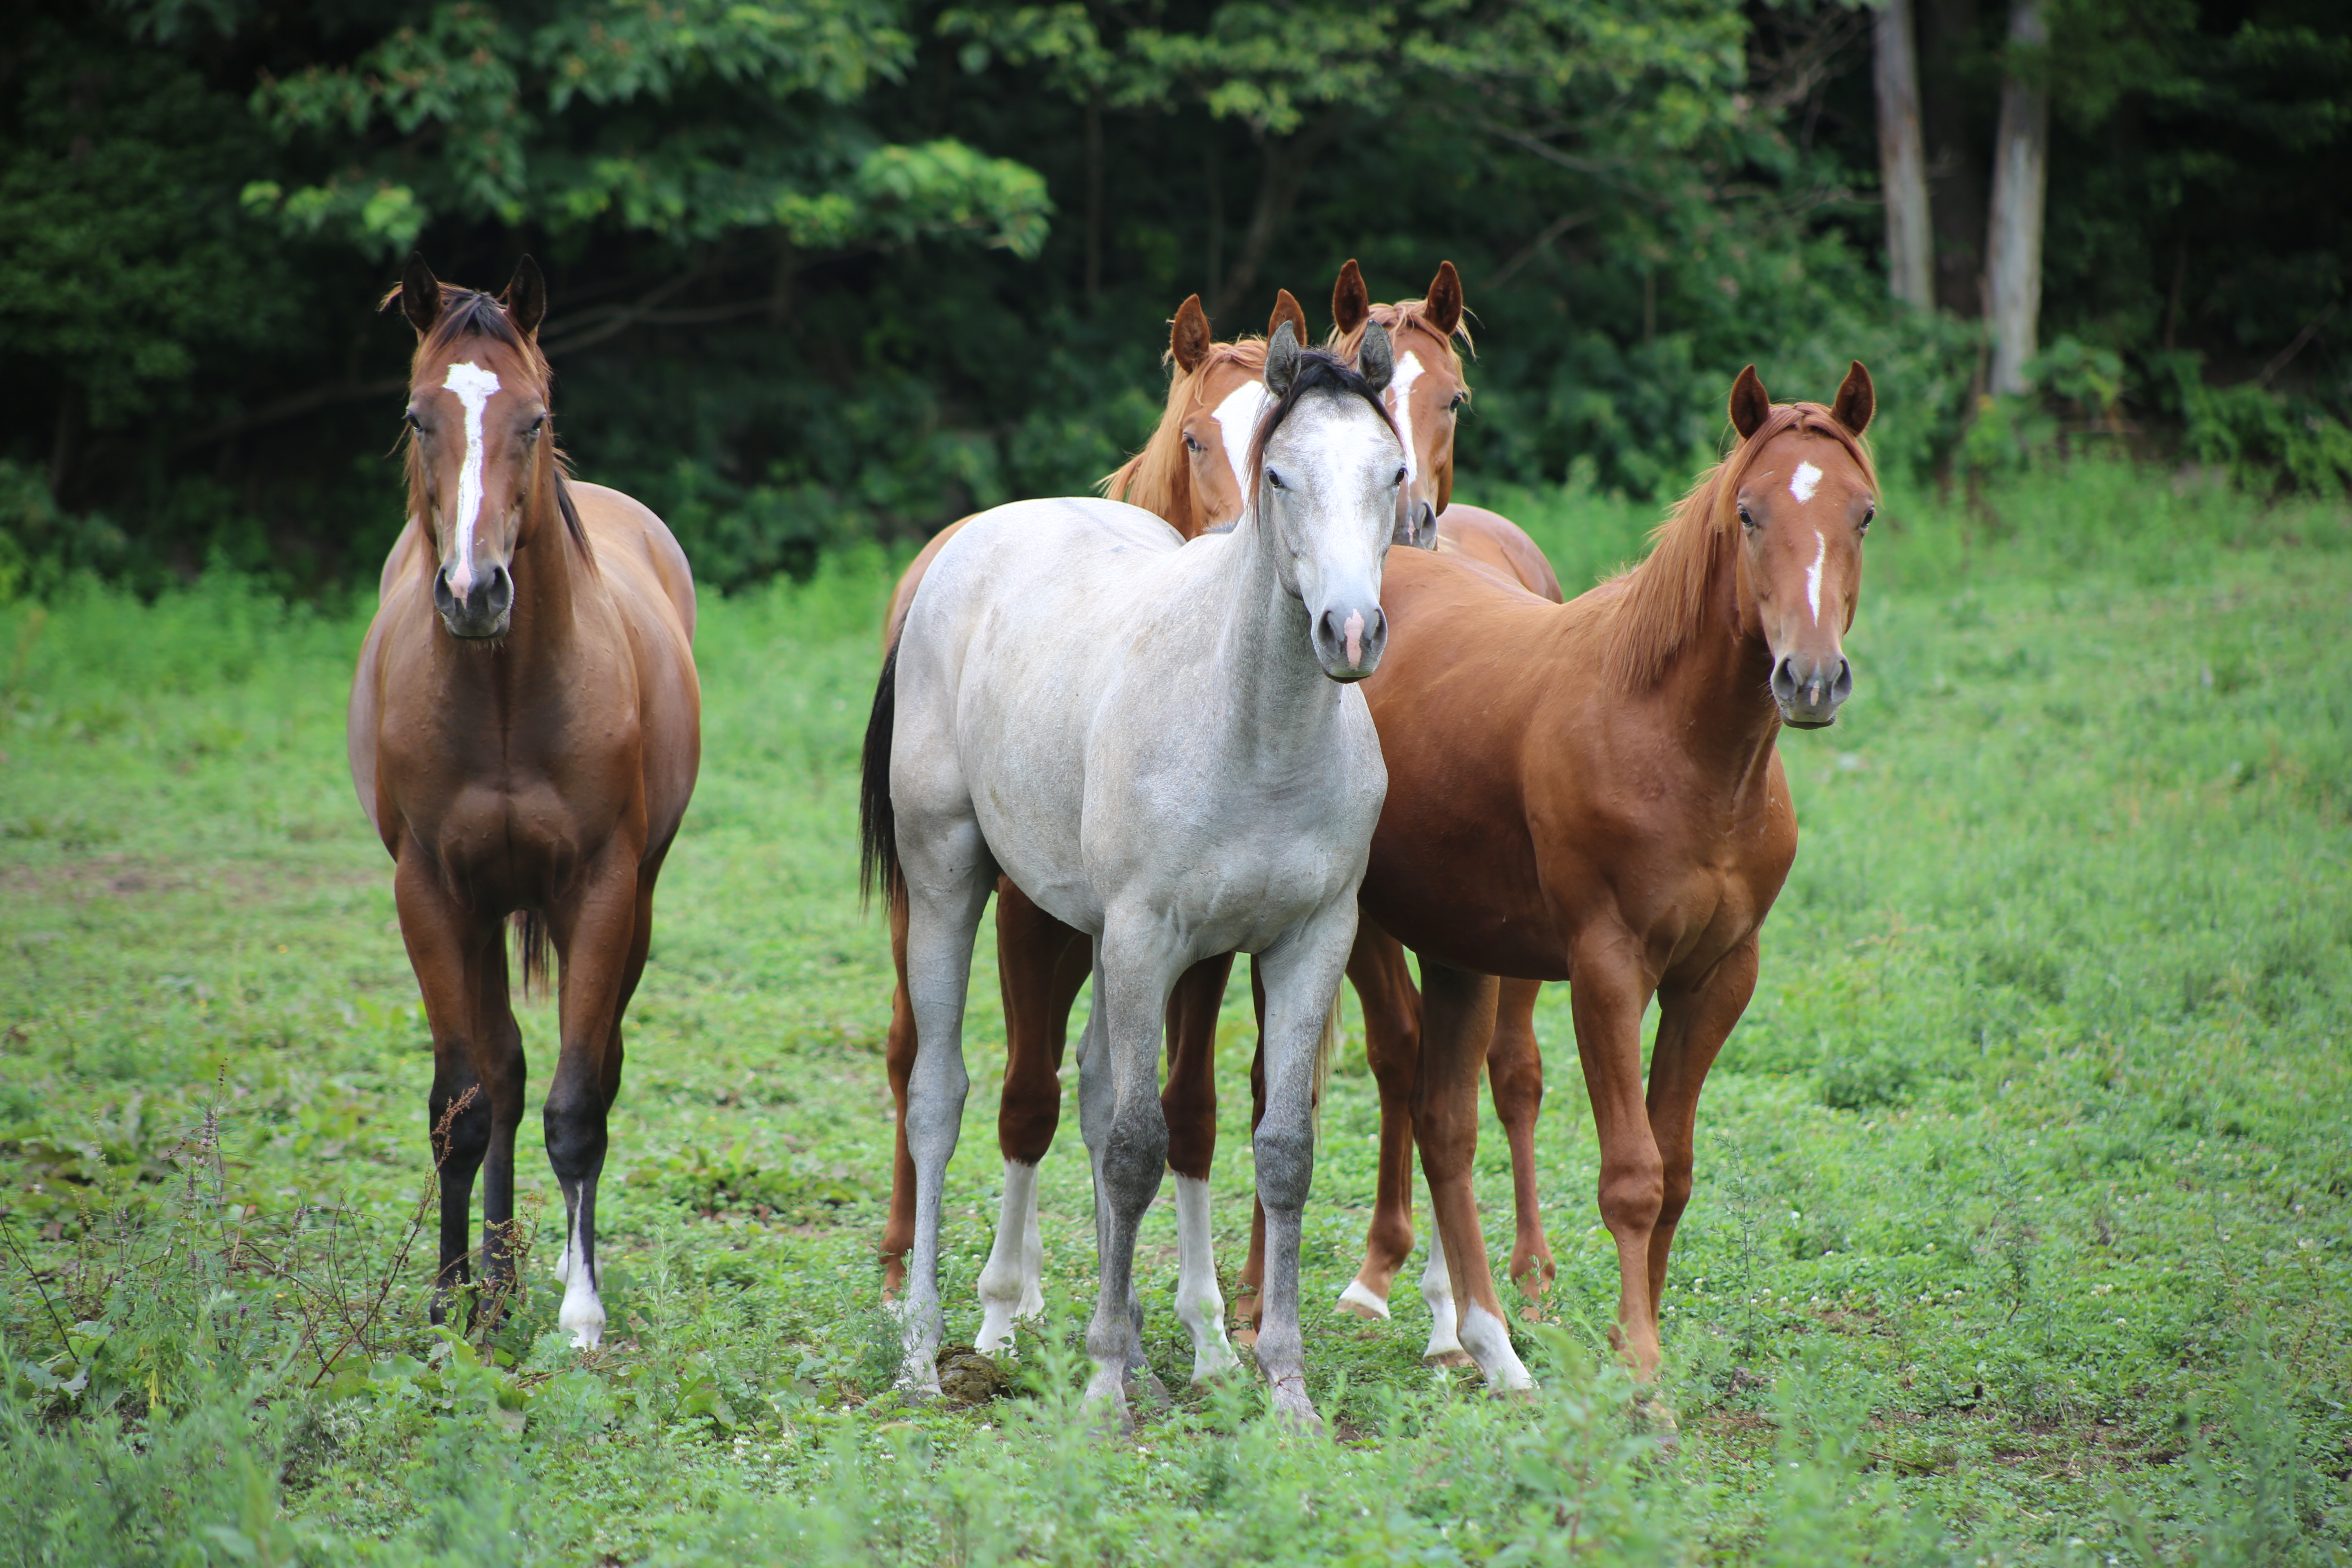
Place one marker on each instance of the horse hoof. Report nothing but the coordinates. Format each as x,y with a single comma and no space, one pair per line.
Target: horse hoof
1659,1418
1360,1301
1143,1386
1449,1358
1294,1409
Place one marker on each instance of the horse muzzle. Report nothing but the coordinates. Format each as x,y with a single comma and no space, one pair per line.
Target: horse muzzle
483,611
1811,691
1348,642
1416,524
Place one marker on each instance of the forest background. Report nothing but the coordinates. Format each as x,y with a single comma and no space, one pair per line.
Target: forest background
842,269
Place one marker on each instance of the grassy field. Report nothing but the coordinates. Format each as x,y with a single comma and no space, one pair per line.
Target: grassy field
2023,1228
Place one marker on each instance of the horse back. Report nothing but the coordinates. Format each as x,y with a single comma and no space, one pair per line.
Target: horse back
1494,543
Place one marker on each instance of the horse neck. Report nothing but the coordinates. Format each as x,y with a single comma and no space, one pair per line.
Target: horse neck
1265,663
1717,690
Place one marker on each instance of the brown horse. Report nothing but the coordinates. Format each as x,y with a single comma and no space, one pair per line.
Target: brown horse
1592,793
525,730
1377,967
1191,473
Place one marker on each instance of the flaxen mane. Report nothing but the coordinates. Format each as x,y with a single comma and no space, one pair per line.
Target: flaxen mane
1660,603
1406,316
1150,479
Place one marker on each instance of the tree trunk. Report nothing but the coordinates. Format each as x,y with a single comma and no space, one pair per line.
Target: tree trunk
1094,197
1287,164
1902,163
2020,175
1946,32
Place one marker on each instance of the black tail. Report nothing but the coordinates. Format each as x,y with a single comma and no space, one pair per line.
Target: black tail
878,823
531,951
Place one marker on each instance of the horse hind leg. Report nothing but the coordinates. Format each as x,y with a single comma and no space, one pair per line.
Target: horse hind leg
1515,1078
898,1064
1041,964
446,947
1190,1104
1392,1008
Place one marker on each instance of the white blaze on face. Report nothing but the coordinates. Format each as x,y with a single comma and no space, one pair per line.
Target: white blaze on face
1814,575
1237,418
1804,482
1399,398
474,386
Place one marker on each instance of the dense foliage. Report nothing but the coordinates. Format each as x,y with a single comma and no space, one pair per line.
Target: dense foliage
834,269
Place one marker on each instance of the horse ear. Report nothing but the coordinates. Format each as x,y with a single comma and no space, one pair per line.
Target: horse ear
1188,335
1287,308
1857,400
1750,406
526,297
1281,359
420,295
1443,308
1351,303
1376,362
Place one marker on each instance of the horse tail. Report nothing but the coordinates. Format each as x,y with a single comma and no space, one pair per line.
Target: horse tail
877,822
529,929
1326,1051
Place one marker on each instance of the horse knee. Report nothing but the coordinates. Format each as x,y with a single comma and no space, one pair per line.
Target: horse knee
1674,1194
574,1125
460,1125
1136,1151
1286,1166
1633,1194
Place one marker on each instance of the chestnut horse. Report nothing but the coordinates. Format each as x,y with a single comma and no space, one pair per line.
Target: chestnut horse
525,730
1377,966
1592,793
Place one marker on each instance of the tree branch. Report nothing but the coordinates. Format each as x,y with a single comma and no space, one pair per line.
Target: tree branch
1284,171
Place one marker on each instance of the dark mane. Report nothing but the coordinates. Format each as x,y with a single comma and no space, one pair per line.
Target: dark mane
470,313
1320,370
1660,602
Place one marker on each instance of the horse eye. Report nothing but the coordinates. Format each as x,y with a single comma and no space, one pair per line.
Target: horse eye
1275,480
1745,519
1455,406
408,417
1866,517
1191,444
1400,478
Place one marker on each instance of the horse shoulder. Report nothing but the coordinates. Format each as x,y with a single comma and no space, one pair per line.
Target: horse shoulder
651,587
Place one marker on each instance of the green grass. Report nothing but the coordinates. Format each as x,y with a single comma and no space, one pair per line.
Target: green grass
2022,1229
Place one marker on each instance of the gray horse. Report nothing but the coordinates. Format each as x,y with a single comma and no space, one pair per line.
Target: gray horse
1160,742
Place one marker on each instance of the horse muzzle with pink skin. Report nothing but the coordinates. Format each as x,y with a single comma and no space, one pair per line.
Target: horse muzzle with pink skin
1811,688
473,603
1349,640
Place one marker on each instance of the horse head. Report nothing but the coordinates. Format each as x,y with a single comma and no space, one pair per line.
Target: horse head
479,444
1329,469
1427,392
1804,493
1223,397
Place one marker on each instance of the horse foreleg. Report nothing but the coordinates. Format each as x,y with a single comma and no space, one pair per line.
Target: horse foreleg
898,1063
1457,1022
1134,972
448,947
1041,964
1692,1024
1302,977
1190,1104
596,934
1247,1306
1607,997
1391,1006
1515,1078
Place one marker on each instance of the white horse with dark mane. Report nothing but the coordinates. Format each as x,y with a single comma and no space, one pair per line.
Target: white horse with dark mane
1160,744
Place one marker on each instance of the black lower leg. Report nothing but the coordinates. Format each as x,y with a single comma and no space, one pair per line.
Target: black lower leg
460,1128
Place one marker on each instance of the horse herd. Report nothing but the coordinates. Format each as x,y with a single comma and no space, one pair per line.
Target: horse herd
1277,695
